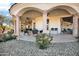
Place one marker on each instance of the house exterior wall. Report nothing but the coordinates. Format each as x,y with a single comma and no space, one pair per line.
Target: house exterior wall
54,19
18,7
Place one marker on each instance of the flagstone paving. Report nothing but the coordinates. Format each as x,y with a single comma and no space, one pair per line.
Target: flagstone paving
56,38
28,48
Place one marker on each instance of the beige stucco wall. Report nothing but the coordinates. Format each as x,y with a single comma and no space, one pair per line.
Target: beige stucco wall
39,23
55,18
36,18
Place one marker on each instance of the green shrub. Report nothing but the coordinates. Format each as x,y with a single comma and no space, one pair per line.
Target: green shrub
14,36
10,32
8,36
43,40
0,37
1,40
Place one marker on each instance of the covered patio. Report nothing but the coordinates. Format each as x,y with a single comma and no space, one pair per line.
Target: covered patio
59,19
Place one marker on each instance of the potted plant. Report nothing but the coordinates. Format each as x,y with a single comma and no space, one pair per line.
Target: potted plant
43,40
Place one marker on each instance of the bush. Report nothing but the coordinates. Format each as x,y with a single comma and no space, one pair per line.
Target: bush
43,40
1,36
7,36
1,40
10,32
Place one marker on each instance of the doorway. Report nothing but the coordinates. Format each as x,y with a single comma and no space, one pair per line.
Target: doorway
67,25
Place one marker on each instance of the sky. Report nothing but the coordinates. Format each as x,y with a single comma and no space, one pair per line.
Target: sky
4,7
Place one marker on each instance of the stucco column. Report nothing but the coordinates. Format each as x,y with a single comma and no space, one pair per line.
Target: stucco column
75,26
17,27
14,24
44,21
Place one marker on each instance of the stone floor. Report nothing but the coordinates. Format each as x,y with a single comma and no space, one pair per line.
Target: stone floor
56,38
28,48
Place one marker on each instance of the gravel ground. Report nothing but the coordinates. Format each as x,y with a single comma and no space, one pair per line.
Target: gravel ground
27,48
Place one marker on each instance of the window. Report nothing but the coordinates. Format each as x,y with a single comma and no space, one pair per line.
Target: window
47,24
33,25
47,21
47,27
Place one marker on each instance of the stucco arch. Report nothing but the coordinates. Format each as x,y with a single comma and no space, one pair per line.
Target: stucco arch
69,9
20,8
17,7
22,11
73,12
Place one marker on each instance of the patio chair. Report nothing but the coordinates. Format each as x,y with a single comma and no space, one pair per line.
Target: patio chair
35,31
